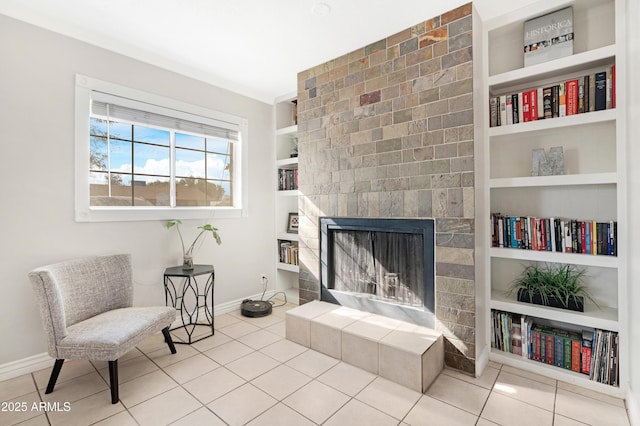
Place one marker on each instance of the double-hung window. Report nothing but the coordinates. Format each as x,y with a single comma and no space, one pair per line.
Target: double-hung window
141,156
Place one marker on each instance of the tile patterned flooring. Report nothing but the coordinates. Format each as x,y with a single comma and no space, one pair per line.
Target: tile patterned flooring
249,374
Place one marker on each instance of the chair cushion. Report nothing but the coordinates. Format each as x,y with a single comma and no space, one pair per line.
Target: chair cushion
107,336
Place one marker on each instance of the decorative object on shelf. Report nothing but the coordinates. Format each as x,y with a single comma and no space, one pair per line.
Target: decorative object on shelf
187,254
548,37
547,165
292,224
294,148
558,286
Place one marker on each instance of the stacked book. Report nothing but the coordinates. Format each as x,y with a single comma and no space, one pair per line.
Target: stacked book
592,92
554,234
287,179
288,252
593,352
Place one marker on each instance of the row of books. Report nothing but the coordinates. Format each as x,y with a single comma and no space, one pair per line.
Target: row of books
554,234
288,252
591,352
287,179
592,92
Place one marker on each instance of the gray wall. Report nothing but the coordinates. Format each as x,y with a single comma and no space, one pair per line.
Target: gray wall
37,70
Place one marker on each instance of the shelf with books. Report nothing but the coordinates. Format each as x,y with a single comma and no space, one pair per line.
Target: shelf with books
590,186
584,353
286,194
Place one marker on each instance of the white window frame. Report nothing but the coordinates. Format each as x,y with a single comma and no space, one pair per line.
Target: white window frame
84,212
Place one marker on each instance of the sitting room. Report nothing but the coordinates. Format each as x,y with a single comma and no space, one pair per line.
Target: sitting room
319,212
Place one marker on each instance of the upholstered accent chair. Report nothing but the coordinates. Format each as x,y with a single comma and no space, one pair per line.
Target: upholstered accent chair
86,308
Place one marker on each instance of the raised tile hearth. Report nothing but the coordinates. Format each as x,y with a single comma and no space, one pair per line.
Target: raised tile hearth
404,353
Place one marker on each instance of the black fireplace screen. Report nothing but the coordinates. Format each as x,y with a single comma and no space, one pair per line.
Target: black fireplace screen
382,265
376,264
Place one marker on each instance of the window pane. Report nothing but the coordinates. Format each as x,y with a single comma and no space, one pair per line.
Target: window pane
120,130
220,146
120,156
98,153
189,141
148,134
218,166
189,163
151,159
150,191
218,193
120,194
98,127
190,192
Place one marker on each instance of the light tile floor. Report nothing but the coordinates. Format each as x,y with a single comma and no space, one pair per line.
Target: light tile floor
248,373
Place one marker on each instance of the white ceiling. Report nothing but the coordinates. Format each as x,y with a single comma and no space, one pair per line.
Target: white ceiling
252,47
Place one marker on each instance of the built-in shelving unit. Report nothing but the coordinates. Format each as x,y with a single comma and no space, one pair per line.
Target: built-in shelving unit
286,199
593,188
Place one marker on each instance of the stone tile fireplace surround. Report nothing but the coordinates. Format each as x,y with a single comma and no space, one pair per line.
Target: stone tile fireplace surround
386,131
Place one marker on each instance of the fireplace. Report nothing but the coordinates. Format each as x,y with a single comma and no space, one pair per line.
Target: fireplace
383,266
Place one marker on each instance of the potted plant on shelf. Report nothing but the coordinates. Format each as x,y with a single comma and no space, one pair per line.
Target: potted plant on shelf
558,286
187,254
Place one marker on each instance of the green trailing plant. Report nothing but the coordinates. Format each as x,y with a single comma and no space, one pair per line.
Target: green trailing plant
204,229
553,281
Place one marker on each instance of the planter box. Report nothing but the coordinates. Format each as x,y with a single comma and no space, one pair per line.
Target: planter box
575,303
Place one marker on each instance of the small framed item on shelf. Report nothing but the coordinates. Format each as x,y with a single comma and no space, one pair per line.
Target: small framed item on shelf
292,224
548,37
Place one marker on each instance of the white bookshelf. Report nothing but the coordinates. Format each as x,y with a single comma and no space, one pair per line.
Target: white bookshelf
594,187
286,201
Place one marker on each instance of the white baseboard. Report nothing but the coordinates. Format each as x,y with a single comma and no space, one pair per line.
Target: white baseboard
25,366
38,362
633,409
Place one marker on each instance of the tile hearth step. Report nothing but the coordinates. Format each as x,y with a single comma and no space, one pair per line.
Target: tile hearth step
404,353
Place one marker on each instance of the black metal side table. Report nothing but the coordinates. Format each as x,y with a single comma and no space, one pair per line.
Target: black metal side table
189,299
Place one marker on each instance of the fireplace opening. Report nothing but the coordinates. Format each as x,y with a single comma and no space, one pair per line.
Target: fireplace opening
384,266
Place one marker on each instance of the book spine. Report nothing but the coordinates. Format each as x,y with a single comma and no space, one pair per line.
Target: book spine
559,351
526,115
587,342
575,355
567,352
592,92
509,103
503,110
613,86
493,112
550,345
520,108
540,103
601,91
533,105
587,94
547,102
609,88
581,98
562,100
573,97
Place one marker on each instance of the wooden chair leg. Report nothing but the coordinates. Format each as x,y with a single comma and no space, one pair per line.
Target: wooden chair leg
113,380
169,340
54,375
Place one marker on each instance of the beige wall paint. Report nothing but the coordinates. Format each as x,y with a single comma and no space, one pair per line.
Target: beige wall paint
37,77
